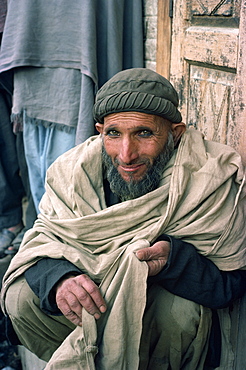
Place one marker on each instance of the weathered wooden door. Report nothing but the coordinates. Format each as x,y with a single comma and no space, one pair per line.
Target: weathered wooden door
201,46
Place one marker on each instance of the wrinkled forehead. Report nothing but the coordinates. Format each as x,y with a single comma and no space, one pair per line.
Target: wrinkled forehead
129,118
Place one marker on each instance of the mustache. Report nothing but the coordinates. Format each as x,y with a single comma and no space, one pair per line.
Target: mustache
146,161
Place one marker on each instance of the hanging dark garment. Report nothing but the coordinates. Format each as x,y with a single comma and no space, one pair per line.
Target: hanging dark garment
77,47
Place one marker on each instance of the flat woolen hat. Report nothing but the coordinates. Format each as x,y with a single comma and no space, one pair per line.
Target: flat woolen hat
138,90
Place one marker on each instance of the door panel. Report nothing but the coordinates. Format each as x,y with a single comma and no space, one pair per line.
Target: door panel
213,7
209,101
207,64
213,45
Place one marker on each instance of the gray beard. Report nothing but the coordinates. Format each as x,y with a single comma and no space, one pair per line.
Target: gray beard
134,189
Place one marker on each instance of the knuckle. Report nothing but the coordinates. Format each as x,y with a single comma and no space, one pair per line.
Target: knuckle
73,304
83,278
89,287
71,316
83,295
91,309
93,289
68,313
60,301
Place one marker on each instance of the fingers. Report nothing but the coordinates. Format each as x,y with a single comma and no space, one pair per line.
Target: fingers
75,293
157,250
70,308
155,256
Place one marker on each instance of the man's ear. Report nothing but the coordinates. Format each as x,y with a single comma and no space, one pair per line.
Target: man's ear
177,130
99,127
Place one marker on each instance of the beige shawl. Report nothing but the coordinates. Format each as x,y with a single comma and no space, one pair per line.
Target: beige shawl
201,199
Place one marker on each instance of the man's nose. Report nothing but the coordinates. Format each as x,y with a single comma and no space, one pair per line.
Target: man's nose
128,151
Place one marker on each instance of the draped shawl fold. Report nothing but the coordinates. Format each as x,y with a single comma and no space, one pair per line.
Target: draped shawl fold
201,199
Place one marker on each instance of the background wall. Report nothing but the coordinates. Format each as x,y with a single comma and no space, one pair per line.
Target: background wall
150,32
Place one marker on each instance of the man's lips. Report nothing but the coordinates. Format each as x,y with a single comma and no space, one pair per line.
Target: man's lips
131,168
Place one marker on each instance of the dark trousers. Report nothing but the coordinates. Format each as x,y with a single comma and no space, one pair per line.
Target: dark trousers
30,214
14,183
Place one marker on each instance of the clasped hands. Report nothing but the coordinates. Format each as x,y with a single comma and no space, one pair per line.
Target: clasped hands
76,292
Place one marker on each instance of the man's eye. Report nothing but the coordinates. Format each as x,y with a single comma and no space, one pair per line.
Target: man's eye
145,133
112,133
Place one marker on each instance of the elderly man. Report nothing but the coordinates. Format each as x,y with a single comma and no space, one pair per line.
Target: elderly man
141,236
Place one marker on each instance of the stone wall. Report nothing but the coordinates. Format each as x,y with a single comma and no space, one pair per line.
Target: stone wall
150,32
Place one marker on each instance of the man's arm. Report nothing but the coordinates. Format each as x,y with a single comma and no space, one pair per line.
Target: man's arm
190,275
43,277
184,272
64,289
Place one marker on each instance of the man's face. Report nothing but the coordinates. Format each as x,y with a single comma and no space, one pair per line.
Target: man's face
133,141
136,148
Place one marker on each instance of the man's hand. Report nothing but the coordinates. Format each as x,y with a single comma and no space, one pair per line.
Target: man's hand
76,292
156,256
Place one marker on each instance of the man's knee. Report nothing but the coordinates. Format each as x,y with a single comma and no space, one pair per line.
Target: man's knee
173,329
40,333
176,320
20,299
170,311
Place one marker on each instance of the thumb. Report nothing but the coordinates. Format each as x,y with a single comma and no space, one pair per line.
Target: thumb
143,254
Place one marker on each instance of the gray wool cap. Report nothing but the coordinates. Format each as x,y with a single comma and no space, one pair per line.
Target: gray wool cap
138,90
